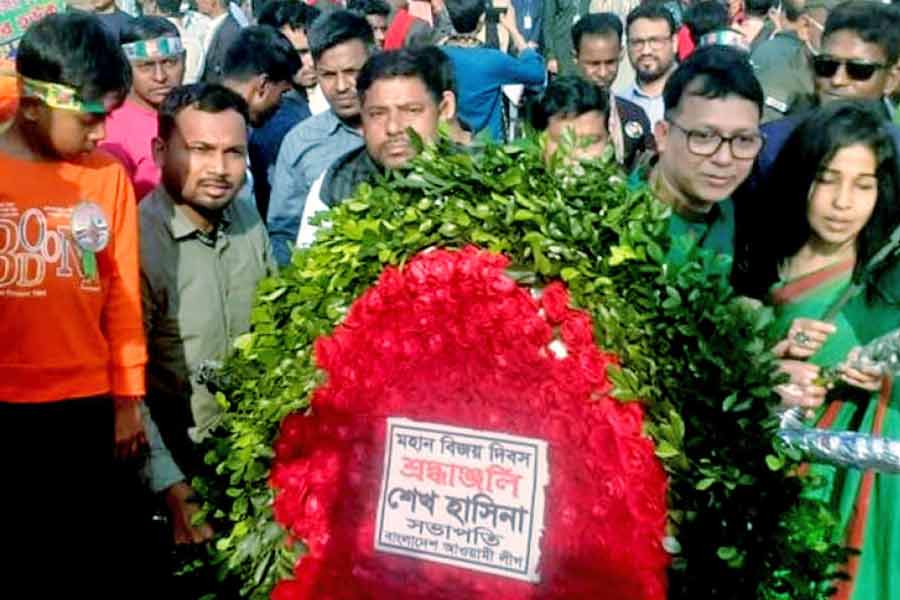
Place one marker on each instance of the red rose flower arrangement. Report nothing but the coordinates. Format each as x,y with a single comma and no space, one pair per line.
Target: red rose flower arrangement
451,338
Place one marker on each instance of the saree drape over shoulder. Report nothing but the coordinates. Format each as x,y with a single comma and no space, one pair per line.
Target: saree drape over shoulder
868,503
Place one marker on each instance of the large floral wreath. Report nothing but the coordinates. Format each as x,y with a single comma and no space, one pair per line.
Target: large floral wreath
450,338
738,525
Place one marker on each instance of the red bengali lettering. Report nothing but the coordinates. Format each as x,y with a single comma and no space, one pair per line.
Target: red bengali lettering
451,474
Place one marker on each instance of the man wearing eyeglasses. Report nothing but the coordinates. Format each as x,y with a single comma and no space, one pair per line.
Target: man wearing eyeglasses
652,45
707,141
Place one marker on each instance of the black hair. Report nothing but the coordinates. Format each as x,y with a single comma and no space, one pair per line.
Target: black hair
568,95
408,62
338,27
171,8
655,11
465,14
705,17
75,50
290,13
807,151
759,8
443,66
596,24
206,97
713,71
874,22
370,7
148,28
261,50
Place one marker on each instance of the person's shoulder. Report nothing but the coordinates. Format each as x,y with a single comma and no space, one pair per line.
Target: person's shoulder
104,163
630,110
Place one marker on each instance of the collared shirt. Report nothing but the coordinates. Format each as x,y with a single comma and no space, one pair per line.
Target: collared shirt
305,153
198,290
654,106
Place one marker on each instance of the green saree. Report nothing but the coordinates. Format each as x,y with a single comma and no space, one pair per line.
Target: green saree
868,503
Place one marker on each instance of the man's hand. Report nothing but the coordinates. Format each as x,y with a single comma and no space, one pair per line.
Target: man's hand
130,438
553,66
182,504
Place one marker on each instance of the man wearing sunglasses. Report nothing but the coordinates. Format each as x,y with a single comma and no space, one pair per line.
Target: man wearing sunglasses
857,61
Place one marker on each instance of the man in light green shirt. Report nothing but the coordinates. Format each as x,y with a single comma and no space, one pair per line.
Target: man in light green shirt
203,251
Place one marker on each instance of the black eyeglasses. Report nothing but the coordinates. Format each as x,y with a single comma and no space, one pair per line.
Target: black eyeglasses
857,70
703,142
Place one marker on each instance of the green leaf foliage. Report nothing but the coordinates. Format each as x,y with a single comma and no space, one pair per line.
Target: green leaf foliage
688,349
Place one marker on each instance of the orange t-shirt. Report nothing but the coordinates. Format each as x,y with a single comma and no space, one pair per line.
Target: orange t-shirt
64,334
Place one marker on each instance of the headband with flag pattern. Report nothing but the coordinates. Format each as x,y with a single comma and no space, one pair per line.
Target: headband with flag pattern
160,47
57,95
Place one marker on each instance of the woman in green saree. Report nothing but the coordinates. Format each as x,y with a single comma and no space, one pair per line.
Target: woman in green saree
836,182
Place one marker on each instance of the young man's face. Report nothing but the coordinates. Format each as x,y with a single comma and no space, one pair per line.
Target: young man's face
204,160
67,134
154,78
379,28
700,179
391,106
651,48
337,69
866,77
588,130
306,76
598,58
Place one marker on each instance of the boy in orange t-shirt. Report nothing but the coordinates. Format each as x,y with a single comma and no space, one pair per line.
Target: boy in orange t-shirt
73,352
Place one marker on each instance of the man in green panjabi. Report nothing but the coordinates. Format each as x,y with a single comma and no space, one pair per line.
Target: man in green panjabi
707,142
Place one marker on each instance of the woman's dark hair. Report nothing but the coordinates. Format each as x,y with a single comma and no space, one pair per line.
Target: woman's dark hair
809,150
206,97
571,96
148,28
408,62
75,49
705,17
337,27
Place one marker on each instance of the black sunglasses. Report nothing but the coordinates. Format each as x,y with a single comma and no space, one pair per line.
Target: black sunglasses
857,70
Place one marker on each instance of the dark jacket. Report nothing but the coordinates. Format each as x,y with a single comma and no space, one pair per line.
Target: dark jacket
637,132
345,174
265,142
214,64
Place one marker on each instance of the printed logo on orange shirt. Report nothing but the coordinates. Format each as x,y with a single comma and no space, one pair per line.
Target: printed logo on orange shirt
36,244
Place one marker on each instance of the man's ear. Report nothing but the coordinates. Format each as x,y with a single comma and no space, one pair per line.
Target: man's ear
260,86
32,109
893,81
661,133
159,149
447,107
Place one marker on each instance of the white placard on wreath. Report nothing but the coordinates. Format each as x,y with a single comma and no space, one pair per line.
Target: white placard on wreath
463,497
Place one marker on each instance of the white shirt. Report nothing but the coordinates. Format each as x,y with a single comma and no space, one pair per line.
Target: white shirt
311,208
317,101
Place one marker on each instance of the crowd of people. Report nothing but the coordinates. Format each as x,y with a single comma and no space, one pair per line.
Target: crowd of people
219,130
